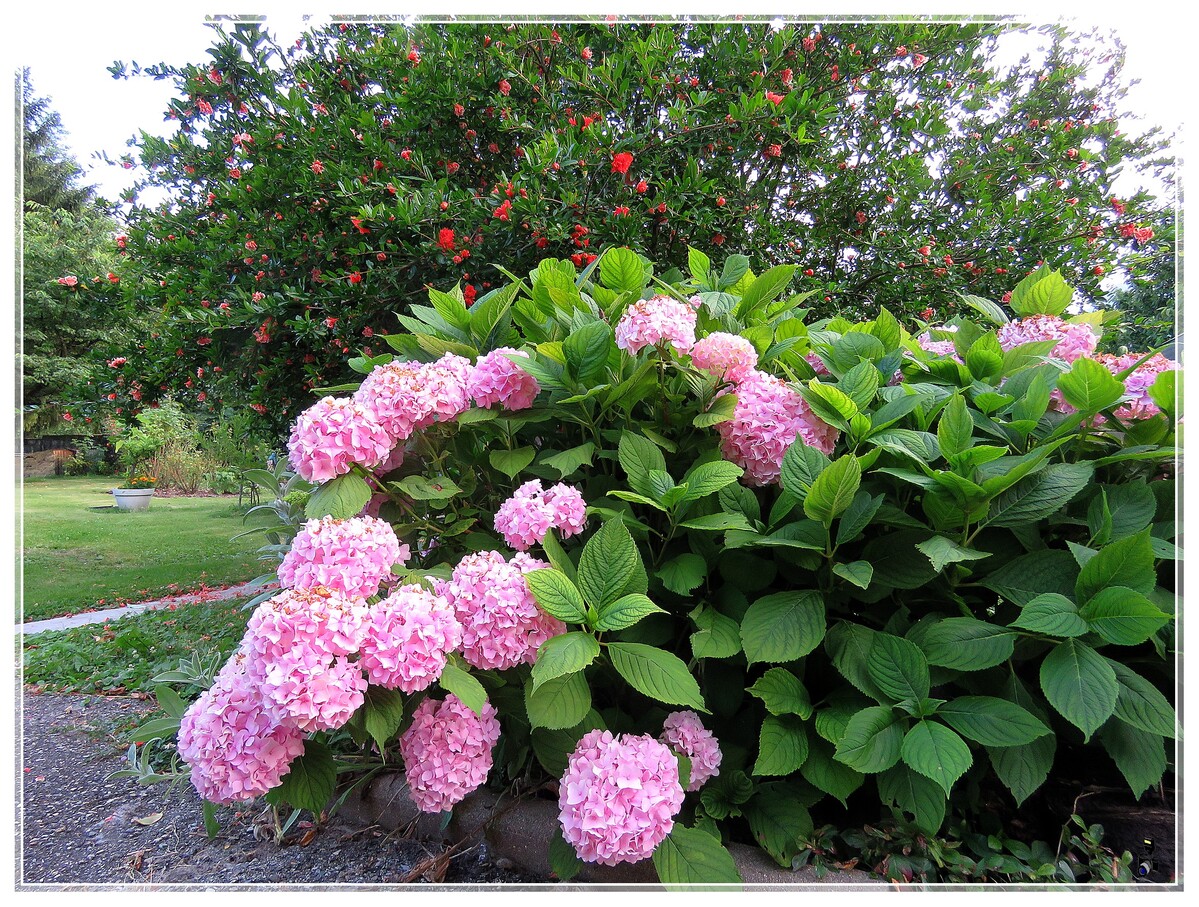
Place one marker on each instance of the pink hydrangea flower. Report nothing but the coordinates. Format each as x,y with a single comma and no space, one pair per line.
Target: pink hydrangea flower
320,619
235,744
767,419
408,640
331,436
725,356
652,322
684,733
312,690
938,347
618,798
353,556
502,625
817,364
405,397
525,518
1073,340
497,379
447,752
1137,384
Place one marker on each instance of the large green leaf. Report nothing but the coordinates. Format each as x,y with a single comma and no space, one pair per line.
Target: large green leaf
898,667
778,819
1030,575
511,462
341,498
782,693
1140,756
566,462
610,565
691,857
942,551
992,721
1141,704
765,288
639,456
872,740
1089,387
556,595
625,612
849,645
936,752
558,703
564,654
1122,617
622,270
857,516
802,465
465,686
1024,768
1127,562
1052,614
782,745
707,478
1042,292
383,712
718,635
684,573
1038,495
310,781
656,673
1080,684
915,794
824,772
834,490
967,644
783,626
955,429
1130,508
565,863
586,349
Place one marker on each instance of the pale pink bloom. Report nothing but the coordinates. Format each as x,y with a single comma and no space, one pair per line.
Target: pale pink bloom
447,752
353,556
938,347
497,379
1073,340
407,396
684,733
1137,384
314,691
333,435
525,518
725,356
817,364
618,798
654,322
324,620
409,638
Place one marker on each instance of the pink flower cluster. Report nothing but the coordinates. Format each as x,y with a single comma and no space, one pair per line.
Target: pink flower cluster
1073,340
684,733
652,322
502,625
1137,384
618,798
447,752
767,419
938,347
525,518
728,357
405,397
409,637
353,556
236,745
334,434
497,379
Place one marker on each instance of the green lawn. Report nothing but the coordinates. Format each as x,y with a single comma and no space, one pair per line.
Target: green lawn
79,558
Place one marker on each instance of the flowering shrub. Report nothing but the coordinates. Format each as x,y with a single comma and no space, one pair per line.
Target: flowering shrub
722,570
139,481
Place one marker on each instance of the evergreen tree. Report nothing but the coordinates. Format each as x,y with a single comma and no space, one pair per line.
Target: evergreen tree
51,176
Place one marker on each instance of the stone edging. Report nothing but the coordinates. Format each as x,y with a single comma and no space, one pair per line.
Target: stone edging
519,831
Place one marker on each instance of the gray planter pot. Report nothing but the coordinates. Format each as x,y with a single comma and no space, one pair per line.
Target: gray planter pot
133,498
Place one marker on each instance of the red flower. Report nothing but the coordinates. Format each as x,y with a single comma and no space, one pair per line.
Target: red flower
235,173
918,60
468,293
503,210
772,151
642,186
69,281
620,210
452,167
357,222
317,167
204,341
1097,270
67,417
445,239
586,53
786,75
1143,234
330,321
720,201
406,154
355,277
860,217
809,45
773,98
505,87
414,56
621,162
1117,205
808,272
251,245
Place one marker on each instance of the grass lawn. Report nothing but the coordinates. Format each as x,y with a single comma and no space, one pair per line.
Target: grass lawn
79,558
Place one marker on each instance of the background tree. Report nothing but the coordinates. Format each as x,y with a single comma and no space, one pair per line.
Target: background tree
315,191
50,175
1145,302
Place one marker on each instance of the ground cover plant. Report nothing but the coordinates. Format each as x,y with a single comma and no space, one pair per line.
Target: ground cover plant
714,569
78,557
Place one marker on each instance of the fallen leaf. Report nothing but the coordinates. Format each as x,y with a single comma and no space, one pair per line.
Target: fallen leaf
148,820
308,836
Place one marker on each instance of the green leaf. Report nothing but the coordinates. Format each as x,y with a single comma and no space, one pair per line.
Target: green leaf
557,557
822,771
656,673
1080,684
778,821
1089,387
1140,756
625,612
942,551
383,713
699,265
1129,509
1127,562
465,686
898,668
1166,393
719,636
1040,494
341,498
992,311
955,429
860,384
564,862
170,701
916,795
936,752
639,456
857,572
984,358
735,267
420,488
683,574
689,857
782,746
829,403
1053,615
708,478
782,693
783,626
622,270
310,781
802,465
610,565
872,740
857,516
834,490
1042,292
212,826
511,462
558,703
721,410
556,595
586,349
563,654
717,522
849,646
765,288
1024,768
992,721
156,728
1122,617
967,644
567,462
1141,704
1024,578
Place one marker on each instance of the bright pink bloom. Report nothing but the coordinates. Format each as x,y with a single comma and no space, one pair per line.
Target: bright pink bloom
69,281
334,434
618,798
408,639
684,733
1141,406
654,322
497,379
1074,340
317,167
447,752
938,347
314,691
353,556
725,356
407,396
525,518
322,620
502,625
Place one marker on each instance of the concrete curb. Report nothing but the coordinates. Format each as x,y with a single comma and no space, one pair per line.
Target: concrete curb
519,832
98,617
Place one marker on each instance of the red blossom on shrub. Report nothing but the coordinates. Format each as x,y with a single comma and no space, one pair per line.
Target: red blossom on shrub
621,162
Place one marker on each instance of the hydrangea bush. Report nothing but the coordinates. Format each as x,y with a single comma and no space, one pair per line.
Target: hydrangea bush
715,573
